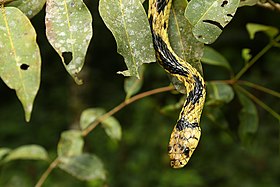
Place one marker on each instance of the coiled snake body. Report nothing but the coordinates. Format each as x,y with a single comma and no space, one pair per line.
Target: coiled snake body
186,133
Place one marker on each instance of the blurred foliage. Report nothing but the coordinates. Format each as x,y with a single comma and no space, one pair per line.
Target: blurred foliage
226,155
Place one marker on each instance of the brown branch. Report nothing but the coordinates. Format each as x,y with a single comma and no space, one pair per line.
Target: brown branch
42,179
123,104
85,132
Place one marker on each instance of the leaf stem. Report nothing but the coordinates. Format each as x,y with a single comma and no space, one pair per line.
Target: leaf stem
259,87
122,105
43,177
259,102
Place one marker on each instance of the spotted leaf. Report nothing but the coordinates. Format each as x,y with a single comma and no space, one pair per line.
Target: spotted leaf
20,61
69,31
29,7
127,20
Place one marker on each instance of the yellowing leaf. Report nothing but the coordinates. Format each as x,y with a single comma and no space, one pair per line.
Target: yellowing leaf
20,61
69,31
128,22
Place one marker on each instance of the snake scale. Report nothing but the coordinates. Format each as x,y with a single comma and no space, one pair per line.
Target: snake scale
186,133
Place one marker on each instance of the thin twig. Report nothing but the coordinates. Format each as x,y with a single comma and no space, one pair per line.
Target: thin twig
123,104
43,177
100,119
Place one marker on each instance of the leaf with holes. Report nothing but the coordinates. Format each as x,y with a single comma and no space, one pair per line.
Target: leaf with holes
128,22
84,167
69,31
29,7
20,61
209,17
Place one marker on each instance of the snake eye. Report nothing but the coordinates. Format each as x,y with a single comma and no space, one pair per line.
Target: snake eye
186,152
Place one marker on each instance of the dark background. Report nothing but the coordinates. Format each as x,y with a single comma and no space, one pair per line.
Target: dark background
140,158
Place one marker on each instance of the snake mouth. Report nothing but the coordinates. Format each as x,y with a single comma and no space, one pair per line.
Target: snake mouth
178,163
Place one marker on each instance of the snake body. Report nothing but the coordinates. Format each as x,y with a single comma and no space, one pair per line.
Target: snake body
186,133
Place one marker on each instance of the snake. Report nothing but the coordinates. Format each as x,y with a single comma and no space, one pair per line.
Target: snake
186,133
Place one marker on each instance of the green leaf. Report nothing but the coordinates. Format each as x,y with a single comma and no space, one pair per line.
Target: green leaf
248,2
27,152
112,128
69,31
29,7
212,57
184,44
89,115
248,118
209,17
253,28
215,114
219,93
246,54
71,143
132,85
128,22
84,167
20,59
3,152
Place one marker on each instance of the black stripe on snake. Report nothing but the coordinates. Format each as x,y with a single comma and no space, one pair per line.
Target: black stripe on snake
186,133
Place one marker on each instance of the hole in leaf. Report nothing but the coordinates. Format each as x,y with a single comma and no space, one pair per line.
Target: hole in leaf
24,66
67,57
214,23
224,3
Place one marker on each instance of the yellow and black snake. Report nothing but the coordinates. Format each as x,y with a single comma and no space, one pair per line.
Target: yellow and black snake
186,133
